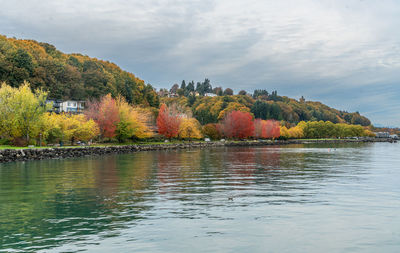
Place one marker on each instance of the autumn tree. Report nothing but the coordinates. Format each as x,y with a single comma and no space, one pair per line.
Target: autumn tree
210,130
168,122
228,91
69,127
189,128
105,113
72,76
21,111
266,129
237,124
134,121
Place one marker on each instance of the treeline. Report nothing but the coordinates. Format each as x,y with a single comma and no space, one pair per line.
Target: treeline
242,125
262,104
68,76
24,120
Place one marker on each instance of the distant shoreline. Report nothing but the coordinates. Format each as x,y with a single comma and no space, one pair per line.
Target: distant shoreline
16,155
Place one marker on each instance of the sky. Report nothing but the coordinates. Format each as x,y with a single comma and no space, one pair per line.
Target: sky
344,53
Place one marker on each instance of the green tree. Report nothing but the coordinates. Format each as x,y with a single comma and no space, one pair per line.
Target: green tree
21,111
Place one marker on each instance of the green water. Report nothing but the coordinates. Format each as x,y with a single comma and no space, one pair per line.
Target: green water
300,198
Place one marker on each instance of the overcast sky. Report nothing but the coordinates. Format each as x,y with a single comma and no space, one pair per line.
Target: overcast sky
343,53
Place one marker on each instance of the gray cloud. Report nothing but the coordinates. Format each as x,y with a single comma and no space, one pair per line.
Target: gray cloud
343,53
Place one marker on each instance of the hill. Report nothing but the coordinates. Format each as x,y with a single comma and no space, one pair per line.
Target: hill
80,77
68,76
263,105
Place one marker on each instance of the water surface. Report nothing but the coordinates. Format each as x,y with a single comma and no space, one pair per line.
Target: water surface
297,198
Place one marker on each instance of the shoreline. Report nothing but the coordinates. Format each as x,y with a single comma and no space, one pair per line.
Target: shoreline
17,155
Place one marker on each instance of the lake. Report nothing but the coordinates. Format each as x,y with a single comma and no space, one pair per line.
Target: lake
294,198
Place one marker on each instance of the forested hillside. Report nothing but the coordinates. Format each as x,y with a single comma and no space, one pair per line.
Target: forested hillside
262,104
79,77
68,76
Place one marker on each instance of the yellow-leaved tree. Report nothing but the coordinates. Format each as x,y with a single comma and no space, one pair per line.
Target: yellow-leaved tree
233,106
21,112
295,132
284,132
66,127
189,128
134,121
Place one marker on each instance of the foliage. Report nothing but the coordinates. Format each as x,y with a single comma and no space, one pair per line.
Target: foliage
105,113
233,106
189,128
321,129
228,91
68,127
134,122
208,109
68,76
116,118
210,130
168,121
266,110
237,124
21,111
291,133
266,129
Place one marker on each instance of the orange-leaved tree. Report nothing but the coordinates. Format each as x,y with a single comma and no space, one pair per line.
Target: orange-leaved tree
105,114
266,129
237,124
168,121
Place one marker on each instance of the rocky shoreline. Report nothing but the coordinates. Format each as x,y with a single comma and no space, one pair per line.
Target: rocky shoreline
14,155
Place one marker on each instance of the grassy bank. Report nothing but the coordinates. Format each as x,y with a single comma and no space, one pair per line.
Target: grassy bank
3,147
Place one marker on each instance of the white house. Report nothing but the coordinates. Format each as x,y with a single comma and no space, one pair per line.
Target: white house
210,95
382,135
72,106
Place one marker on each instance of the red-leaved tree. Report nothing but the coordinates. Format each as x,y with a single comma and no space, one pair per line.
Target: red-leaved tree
168,122
266,129
105,114
237,124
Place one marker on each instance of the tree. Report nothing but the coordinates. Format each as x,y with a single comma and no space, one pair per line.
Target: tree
237,124
174,89
189,128
263,94
266,129
228,91
70,127
105,114
180,92
190,86
242,92
218,91
168,122
134,122
68,76
183,85
210,130
21,111
260,109
233,106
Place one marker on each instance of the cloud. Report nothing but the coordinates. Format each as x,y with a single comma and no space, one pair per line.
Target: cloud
344,53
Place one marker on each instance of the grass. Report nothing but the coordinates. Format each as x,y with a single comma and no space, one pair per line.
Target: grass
2,147
142,143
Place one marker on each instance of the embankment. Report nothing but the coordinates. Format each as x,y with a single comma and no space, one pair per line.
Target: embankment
13,155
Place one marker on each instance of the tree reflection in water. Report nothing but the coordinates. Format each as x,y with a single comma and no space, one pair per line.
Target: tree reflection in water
44,204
